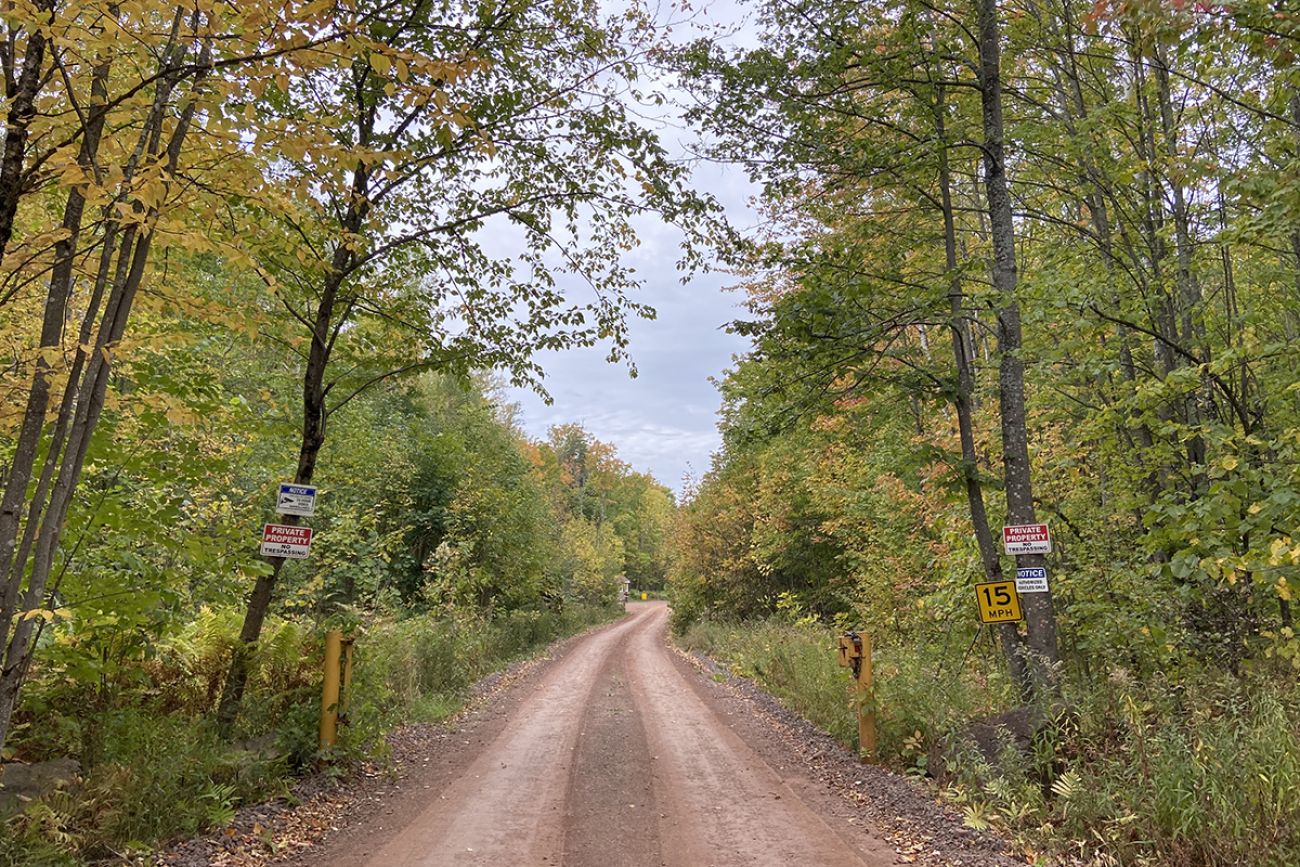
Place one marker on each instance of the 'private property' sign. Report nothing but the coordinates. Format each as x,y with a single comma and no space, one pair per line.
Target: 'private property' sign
1027,539
282,540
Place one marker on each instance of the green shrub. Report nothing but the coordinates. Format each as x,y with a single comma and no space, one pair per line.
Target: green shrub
159,776
797,663
164,776
1207,773
41,836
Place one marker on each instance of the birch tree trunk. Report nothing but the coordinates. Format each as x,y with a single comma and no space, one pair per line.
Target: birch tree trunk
21,93
25,566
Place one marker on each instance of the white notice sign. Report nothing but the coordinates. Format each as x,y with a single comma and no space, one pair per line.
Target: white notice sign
296,500
1031,580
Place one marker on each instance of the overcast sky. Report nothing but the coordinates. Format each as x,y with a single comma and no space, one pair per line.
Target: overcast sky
664,422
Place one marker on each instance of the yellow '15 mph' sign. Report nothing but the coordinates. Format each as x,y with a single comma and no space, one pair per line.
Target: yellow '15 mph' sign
998,602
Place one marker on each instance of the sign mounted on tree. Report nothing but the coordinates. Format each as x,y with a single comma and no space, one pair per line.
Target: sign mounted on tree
1027,539
1031,580
296,500
282,540
998,602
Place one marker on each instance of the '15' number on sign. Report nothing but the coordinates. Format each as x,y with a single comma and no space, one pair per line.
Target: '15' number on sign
996,596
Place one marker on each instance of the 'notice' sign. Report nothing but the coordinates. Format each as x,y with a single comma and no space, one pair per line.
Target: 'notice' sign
281,540
1031,580
296,500
1027,539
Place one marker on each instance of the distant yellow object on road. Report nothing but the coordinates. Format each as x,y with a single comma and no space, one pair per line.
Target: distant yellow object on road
645,596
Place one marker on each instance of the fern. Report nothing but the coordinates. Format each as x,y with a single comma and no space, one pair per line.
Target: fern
1067,786
219,804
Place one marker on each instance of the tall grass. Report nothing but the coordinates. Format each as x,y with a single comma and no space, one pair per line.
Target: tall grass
420,667
1201,774
798,664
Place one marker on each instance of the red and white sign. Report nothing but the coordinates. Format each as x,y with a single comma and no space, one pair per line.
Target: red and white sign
1027,539
282,540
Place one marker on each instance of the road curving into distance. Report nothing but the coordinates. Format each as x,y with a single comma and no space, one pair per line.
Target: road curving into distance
613,756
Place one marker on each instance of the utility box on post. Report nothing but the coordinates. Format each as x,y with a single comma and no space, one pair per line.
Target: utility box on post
850,650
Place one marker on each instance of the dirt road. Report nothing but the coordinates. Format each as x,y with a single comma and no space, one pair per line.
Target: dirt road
619,752
614,759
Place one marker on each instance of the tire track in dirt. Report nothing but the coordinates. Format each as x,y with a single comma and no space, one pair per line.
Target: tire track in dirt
613,759
723,805
508,806
612,815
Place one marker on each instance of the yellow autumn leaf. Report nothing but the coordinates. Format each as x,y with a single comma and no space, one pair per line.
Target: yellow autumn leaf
1277,550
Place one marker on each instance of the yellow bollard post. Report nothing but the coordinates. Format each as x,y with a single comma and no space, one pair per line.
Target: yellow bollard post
866,704
346,698
329,696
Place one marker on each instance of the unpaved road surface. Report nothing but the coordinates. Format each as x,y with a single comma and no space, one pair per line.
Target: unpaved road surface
619,752
614,759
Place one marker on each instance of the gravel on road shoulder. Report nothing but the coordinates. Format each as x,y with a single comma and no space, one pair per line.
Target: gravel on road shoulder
901,811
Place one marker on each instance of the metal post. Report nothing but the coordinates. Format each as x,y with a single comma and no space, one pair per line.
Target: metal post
329,696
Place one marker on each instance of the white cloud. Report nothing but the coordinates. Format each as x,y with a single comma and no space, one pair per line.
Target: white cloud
663,422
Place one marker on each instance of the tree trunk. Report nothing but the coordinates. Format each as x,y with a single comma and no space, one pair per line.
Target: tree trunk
1153,288
22,107
1187,289
963,356
325,329
59,293
84,395
313,437
1295,233
1074,106
1039,614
